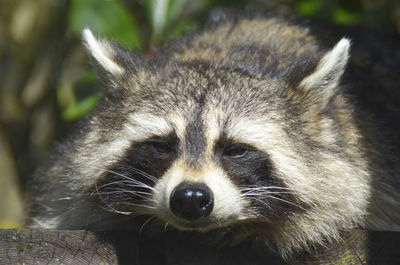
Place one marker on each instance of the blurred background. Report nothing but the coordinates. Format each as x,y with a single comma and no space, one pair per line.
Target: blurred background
45,79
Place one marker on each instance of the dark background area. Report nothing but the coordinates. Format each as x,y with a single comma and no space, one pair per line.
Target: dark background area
45,79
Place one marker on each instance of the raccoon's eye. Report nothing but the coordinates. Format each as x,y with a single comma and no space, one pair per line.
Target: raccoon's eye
235,151
160,147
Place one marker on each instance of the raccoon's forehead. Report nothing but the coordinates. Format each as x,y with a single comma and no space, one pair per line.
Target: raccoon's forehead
144,125
203,99
190,86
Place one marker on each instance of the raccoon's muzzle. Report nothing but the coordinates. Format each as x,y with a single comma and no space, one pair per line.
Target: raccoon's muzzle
191,201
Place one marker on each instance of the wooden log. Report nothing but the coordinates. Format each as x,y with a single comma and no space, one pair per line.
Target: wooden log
37,246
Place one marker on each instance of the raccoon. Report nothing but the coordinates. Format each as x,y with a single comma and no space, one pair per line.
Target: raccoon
257,126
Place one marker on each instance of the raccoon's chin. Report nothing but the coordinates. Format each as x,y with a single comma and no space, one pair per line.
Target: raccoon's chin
250,226
204,225
200,225
194,226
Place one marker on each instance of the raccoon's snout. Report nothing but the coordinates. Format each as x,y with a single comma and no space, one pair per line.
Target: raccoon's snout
191,201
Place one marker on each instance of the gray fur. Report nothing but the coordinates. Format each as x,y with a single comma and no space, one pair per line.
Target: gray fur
323,161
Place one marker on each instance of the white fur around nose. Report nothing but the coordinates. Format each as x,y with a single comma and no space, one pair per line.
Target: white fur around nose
228,203
102,52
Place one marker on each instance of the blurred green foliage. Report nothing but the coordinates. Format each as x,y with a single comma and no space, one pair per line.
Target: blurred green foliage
110,18
162,13
84,100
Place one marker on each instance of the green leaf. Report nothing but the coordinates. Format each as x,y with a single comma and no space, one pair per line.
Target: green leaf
82,97
179,28
228,3
343,16
79,109
162,13
309,7
108,17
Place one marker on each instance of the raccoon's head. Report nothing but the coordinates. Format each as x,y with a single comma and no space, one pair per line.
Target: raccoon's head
202,146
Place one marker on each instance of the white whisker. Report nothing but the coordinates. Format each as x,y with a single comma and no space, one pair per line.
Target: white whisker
262,202
110,208
129,178
147,221
255,193
136,205
244,188
142,173
288,202
128,184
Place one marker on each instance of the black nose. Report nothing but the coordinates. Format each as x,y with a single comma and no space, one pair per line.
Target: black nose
191,201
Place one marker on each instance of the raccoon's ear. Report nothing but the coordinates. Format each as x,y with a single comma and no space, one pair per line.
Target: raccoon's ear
109,57
323,81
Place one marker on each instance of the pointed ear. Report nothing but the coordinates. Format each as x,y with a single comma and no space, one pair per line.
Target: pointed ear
103,53
111,61
325,79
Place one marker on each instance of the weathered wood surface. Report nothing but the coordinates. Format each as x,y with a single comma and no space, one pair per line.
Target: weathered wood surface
83,247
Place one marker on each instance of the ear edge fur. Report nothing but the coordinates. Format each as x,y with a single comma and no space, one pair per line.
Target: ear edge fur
102,52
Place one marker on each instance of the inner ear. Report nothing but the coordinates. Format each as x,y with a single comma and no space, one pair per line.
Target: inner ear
324,81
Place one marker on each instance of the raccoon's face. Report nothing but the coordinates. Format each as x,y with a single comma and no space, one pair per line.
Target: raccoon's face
197,157
202,147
